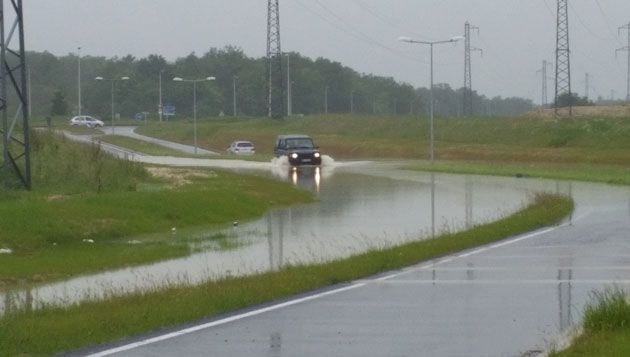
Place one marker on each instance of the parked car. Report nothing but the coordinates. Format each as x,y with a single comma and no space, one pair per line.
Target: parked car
86,120
299,149
241,147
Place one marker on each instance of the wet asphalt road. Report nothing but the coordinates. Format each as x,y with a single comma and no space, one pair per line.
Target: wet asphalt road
514,298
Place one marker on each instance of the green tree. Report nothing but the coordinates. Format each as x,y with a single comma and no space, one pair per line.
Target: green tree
59,104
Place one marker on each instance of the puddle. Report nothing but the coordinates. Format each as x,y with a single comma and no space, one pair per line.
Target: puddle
359,207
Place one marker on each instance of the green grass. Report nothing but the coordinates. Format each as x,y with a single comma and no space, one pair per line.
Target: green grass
606,327
84,194
581,140
611,174
54,330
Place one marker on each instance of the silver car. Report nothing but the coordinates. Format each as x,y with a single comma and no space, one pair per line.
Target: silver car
241,147
86,120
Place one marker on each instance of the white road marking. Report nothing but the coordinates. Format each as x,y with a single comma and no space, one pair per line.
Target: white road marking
352,286
222,321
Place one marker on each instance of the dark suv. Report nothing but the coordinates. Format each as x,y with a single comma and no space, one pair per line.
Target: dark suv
299,149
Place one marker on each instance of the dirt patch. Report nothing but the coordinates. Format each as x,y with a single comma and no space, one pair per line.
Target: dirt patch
179,177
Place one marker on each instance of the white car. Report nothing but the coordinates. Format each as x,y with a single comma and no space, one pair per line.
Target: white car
86,120
241,148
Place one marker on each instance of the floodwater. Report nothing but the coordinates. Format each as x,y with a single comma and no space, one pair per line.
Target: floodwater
360,206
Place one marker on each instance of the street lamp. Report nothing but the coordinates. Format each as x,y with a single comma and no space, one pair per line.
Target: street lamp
194,82
113,81
431,43
160,106
78,80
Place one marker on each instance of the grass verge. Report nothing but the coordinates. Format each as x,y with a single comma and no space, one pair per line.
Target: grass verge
55,330
606,327
87,205
611,174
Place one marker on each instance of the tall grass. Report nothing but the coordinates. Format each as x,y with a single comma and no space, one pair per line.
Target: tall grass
606,327
609,311
65,167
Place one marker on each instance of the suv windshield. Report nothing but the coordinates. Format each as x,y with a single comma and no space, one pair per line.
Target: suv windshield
301,143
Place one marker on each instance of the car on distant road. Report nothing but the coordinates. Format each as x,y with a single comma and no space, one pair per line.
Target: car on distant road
241,147
86,120
299,150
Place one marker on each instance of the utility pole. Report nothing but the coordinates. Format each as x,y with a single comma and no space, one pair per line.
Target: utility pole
351,102
234,96
160,105
468,93
563,57
274,61
627,49
79,80
326,100
586,85
16,162
289,104
543,70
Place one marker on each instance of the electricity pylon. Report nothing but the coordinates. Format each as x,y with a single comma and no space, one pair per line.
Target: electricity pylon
468,93
563,57
16,165
275,104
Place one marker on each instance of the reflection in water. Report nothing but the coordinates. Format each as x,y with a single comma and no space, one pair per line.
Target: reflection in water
356,211
432,205
470,272
275,237
305,177
565,275
275,345
469,202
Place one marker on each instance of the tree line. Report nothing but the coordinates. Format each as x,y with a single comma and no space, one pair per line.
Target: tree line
316,86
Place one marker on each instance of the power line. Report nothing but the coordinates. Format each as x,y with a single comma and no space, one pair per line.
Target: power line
385,20
608,23
353,32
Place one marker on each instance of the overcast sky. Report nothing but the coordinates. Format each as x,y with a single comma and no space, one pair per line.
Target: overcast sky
515,35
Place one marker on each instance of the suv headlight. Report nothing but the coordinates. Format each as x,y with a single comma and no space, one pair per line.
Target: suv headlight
316,155
294,155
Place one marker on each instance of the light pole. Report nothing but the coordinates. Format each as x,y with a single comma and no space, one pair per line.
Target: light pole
113,81
289,104
234,95
78,79
326,100
160,105
431,43
194,82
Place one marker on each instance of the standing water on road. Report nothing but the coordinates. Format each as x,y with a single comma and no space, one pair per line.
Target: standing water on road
360,207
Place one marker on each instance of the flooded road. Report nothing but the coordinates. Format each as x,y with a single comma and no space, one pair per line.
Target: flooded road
360,206
517,297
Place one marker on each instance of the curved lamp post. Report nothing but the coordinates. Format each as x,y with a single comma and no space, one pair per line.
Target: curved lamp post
194,82
431,43
112,80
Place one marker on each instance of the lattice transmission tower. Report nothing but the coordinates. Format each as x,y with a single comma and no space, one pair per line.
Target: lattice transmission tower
275,103
16,166
627,49
468,93
563,57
